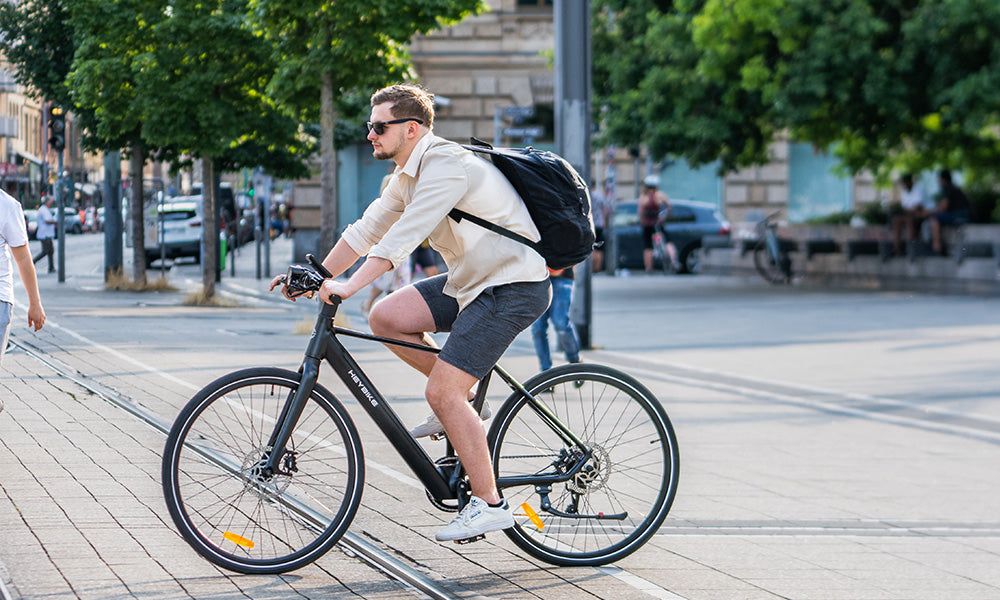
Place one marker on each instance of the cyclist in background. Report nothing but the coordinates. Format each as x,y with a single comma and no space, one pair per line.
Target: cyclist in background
653,203
493,289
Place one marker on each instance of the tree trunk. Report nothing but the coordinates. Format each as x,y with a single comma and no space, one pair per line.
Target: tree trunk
137,214
329,225
209,229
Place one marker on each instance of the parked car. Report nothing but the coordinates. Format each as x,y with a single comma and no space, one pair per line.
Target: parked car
181,232
685,226
238,225
71,220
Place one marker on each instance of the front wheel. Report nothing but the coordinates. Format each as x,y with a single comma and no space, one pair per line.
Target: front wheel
773,269
618,499
248,521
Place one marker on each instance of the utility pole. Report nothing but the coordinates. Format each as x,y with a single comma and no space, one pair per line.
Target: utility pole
572,121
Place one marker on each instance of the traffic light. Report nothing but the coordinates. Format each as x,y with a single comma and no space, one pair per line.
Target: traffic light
57,128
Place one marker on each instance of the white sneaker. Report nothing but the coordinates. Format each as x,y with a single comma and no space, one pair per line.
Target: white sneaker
432,426
476,518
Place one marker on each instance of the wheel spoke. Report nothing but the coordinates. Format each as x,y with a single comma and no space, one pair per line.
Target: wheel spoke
632,470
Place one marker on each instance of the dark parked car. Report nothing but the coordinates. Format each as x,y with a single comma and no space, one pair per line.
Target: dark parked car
685,226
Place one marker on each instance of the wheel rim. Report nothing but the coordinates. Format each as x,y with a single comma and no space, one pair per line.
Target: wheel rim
231,511
626,474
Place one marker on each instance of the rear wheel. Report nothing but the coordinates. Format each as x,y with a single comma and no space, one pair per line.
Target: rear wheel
613,504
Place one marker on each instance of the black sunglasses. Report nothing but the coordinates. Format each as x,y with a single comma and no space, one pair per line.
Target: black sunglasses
379,126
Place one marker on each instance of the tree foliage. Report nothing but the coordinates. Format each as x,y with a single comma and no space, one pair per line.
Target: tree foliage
362,43
36,37
331,54
185,79
885,83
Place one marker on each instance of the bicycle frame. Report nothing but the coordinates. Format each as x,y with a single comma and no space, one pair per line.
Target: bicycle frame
441,482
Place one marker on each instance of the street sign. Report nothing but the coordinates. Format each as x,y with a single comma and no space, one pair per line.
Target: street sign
519,111
533,131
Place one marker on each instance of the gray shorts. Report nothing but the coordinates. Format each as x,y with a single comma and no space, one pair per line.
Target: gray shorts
483,331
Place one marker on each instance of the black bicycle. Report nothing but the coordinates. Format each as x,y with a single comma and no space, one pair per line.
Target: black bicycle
263,469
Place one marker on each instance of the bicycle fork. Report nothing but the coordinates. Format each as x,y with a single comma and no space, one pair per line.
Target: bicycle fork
277,458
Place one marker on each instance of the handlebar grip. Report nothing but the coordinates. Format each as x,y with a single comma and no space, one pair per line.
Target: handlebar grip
318,266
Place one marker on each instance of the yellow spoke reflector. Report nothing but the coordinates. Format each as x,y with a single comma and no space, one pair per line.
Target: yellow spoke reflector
532,515
242,541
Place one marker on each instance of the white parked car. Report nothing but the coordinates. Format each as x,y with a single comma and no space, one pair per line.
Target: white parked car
181,230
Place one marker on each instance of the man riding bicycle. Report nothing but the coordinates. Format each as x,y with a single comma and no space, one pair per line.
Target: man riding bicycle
494,287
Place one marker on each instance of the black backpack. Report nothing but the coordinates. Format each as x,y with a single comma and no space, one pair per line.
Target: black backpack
557,199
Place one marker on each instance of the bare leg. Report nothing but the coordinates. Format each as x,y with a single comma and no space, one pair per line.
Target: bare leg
897,233
447,392
404,315
936,235
647,259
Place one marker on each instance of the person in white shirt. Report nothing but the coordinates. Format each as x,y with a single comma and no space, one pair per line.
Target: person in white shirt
46,232
493,289
14,244
913,209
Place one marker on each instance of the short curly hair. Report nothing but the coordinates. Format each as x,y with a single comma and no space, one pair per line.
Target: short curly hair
408,101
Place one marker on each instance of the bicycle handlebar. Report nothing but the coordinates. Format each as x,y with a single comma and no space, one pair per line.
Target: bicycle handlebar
318,266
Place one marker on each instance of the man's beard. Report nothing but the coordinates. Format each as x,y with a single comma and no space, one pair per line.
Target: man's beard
385,153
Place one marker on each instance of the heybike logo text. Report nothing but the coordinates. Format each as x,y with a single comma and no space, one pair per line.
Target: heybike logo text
363,388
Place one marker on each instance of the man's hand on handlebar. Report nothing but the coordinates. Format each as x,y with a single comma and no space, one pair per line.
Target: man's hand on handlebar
286,291
332,287
298,281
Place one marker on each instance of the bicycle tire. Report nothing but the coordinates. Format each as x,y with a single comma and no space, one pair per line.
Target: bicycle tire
237,519
773,271
633,471
661,254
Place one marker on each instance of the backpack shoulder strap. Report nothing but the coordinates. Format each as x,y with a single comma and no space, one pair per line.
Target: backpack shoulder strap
458,214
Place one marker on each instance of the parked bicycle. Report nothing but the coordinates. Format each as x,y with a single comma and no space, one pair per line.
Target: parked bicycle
769,257
263,469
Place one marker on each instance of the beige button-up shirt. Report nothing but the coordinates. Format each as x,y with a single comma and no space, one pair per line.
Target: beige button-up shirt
439,176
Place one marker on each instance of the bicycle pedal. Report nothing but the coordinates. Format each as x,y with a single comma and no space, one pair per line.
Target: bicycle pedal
438,436
481,536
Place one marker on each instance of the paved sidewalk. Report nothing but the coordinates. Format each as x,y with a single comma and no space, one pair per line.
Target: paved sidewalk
875,479
82,513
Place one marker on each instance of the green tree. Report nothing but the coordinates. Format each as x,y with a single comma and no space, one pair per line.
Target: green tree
184,80
884,83
36,38
332,51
